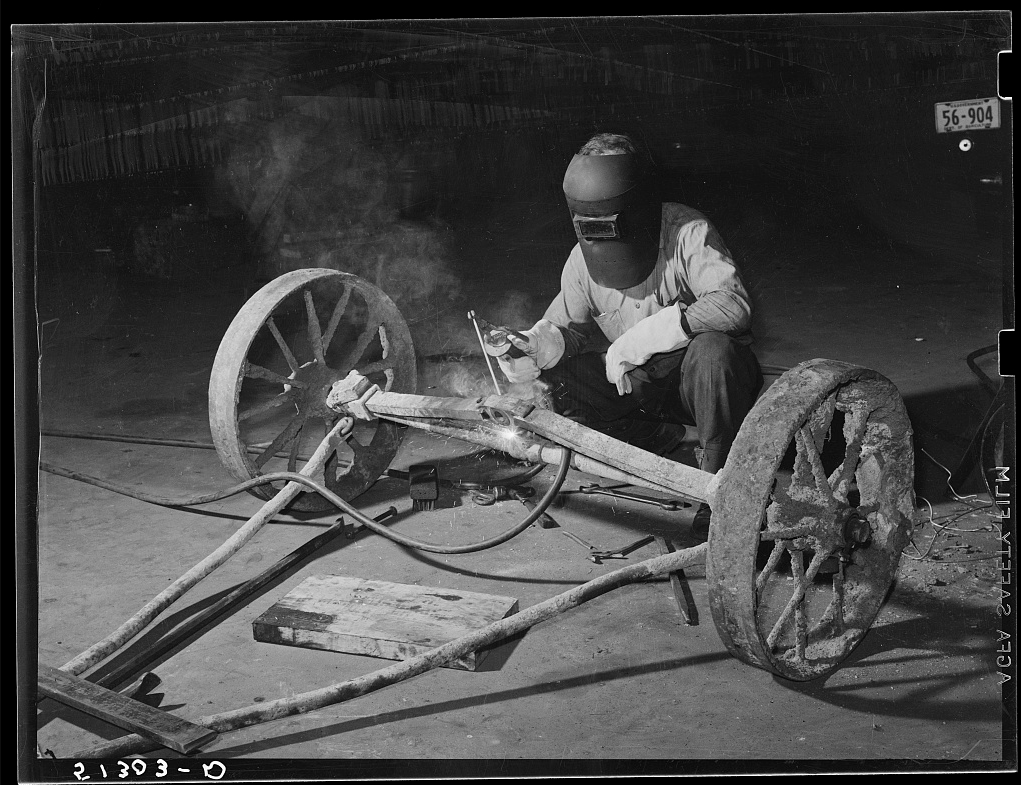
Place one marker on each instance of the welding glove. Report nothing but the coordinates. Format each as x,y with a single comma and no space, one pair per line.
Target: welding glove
543,349
661,332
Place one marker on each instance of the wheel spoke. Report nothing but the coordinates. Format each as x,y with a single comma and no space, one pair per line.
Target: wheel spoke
338,311
855,423
808,451
355,354
315,335
268,405
796,599
259,372
282,440
376,366
292,362
770,567
800,624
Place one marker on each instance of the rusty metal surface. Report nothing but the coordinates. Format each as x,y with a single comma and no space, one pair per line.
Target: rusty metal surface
826,441
277,362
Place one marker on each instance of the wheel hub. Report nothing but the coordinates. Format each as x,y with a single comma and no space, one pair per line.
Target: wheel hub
317,380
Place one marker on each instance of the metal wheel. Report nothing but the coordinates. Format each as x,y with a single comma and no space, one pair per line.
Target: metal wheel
276,364
810,515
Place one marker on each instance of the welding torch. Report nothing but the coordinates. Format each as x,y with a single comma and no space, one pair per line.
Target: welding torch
495,342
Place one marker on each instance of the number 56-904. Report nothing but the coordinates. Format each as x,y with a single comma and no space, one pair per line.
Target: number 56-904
967,115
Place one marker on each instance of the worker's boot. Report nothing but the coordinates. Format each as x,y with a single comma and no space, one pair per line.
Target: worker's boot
710,460
700,523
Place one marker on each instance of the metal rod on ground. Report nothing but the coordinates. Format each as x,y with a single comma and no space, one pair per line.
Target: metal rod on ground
129,629
353,688
681,589
489,360
145,658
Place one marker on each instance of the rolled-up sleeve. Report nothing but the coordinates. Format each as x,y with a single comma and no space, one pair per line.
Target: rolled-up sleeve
571,310
721,301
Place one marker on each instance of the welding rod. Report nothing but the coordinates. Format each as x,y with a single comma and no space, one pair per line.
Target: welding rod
346,690
482,344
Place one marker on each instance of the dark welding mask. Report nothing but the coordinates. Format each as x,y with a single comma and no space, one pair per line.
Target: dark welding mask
616,218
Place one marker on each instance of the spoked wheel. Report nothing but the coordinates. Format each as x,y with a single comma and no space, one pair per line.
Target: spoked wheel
276,364
810,516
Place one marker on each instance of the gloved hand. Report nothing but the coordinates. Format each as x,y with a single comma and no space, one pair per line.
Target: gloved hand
543,349
661,332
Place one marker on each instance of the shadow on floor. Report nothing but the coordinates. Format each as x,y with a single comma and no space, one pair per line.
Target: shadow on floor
934,634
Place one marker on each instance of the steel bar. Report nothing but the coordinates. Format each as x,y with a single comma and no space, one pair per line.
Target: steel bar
130,628
679,478
346,690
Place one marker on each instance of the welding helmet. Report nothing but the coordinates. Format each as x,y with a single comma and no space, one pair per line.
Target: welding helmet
616,218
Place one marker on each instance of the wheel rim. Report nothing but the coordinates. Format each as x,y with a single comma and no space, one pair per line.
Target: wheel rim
276,364
823,460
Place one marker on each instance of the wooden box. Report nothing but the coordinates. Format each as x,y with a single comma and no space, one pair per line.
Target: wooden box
380,619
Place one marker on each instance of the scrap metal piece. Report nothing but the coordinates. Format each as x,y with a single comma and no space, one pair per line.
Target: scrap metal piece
544,521
679,584
671,505
597,556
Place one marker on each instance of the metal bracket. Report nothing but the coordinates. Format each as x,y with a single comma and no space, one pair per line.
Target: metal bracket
350,394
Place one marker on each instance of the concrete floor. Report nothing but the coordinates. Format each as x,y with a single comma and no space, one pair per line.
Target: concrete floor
617,685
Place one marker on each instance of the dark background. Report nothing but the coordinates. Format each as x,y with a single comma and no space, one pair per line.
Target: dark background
276,144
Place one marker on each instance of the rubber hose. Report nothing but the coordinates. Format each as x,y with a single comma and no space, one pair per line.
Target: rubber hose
367,522
164,501
510,482
400,539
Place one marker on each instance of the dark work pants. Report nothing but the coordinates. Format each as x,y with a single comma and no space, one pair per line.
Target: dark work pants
712,384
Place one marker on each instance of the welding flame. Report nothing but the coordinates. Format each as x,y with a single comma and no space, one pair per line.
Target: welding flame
509,433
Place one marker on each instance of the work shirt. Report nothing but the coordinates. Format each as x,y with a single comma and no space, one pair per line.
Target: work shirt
694,270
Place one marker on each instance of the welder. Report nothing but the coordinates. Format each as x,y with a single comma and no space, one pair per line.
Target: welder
651,329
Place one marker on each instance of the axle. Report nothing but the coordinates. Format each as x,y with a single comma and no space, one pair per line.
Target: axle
502,421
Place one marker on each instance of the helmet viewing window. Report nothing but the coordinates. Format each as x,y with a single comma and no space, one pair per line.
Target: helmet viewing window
602,227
